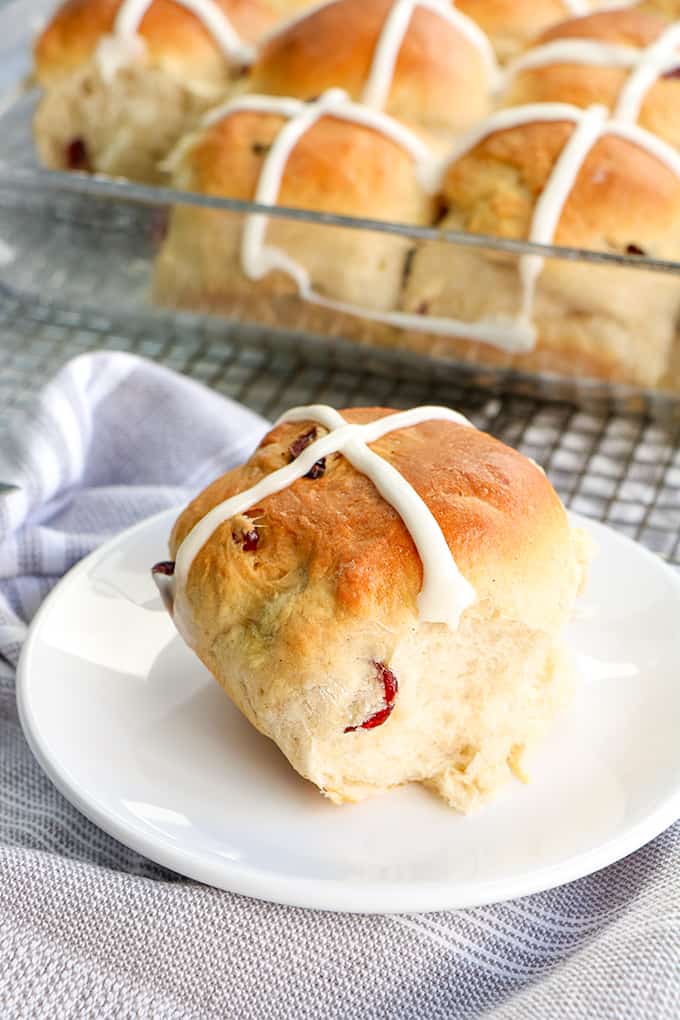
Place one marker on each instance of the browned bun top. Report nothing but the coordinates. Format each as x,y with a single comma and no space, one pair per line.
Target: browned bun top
512,23
668,8
287,9
501,518
623,26
169,30
622,194
336,166
440,77
583,84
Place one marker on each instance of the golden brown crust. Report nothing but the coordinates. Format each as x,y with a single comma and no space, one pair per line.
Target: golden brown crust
510,24
502,519
170,31
335,167
623,193
625,26
585,84
300,625
668,8
439,77
599,321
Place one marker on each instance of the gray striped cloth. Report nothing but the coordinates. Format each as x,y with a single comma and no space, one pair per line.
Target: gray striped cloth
90,929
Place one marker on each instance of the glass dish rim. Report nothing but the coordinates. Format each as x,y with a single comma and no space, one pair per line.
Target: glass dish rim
99,186
119,189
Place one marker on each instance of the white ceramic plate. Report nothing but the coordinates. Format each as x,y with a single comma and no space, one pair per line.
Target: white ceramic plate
133,730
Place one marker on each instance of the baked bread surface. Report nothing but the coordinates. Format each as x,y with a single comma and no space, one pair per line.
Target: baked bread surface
122,118
173,35
336,167
601,321
669,8
440,78
299,629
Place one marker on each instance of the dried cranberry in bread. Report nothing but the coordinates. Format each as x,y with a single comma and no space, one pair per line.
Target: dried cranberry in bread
116,102
318,634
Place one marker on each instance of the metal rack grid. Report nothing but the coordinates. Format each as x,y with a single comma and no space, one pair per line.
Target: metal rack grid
624,471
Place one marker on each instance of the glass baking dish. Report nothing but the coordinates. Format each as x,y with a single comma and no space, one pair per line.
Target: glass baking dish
83,243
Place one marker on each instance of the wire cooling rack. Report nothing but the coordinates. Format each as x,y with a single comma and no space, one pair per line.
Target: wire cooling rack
624,471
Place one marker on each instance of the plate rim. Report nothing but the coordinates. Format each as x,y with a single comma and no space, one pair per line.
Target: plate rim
335,895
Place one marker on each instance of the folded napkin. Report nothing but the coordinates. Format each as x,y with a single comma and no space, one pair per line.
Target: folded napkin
111,440
91,929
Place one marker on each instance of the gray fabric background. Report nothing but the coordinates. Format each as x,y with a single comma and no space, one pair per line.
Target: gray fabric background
90,929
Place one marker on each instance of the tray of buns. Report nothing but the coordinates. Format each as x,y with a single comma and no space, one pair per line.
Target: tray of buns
486,191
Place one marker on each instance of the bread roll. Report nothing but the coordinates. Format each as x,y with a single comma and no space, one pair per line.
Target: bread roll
429,68
601,71
335,166
669,8
598,321
285,10
513,24
115,102
308,607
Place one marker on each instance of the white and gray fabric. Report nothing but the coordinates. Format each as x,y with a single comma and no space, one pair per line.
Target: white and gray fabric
91,929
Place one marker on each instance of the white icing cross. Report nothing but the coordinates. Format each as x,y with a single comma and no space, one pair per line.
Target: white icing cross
647,64
387,48
258,258
551,201
577,6
655,60
516,333
590,125
513,334
580,7
125,44
445,593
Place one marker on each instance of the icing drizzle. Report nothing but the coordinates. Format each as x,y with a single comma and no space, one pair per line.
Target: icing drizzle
388,46
579,7
125,44
551,201
654,61
514,334
590,125
391,38
258,258
445,593
647,64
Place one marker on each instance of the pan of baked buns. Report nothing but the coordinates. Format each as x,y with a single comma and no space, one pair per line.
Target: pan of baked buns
489,186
